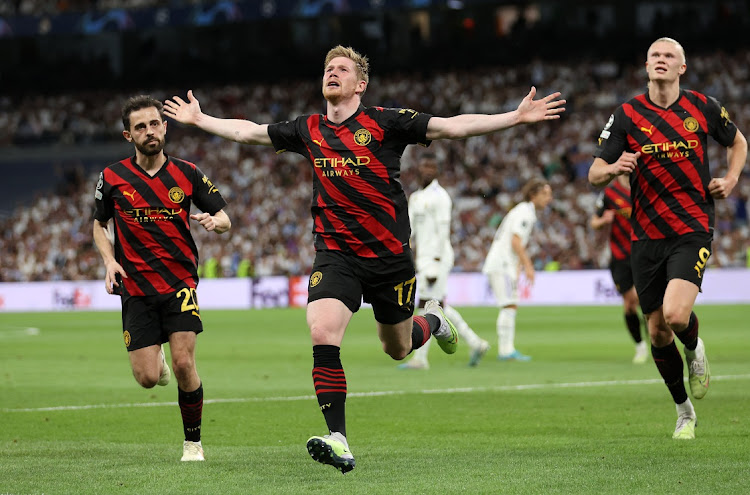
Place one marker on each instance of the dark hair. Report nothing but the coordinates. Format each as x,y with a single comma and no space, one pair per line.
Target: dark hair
532,187
136,103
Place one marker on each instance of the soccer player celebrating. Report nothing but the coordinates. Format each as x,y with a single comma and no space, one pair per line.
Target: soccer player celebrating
153,261
360,219
430,211
660,139
613,207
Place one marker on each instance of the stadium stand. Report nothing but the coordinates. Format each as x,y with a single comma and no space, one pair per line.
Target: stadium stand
50,238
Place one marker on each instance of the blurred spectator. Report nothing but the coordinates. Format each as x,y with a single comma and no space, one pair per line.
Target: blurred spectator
269,195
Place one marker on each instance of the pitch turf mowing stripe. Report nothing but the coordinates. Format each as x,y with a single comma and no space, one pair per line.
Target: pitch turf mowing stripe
462,390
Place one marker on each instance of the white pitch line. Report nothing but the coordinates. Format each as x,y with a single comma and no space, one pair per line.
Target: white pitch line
462,390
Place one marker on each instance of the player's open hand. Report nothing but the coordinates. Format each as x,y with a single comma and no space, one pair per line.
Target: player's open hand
186,112
626,163
721,187
547,108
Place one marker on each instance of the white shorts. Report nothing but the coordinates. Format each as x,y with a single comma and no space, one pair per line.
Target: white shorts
437,290
505,287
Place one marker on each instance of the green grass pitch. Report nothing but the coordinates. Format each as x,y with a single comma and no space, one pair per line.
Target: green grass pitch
578,418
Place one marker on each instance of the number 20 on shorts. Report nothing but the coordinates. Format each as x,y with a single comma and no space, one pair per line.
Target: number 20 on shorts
189,302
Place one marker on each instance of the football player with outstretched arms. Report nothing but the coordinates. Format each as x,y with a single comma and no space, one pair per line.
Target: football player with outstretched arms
360,218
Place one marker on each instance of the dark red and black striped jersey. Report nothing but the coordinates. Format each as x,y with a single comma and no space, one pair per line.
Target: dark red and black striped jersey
669,187
616,197
358,204
153,242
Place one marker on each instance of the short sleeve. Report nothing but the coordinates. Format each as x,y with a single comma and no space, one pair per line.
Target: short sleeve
613,138
285,136
104,207
520,223
720,126
406,125
206,195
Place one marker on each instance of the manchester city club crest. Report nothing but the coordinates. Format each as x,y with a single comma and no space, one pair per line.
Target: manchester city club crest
176,194
362,137
691,124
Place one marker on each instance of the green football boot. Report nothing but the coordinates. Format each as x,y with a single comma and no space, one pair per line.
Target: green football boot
699,374
446,335
685,429
330,449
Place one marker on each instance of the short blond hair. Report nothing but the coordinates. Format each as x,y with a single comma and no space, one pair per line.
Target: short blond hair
360,61
674,42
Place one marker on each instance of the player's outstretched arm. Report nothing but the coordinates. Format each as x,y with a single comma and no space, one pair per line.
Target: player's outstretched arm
189,112
601,172
468,125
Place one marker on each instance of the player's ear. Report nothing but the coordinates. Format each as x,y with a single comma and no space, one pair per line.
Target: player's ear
361,87
127,136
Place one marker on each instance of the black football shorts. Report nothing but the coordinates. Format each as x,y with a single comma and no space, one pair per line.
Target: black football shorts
657,261
622,274
388,283
149,320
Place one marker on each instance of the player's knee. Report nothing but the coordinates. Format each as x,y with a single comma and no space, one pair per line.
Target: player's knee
318,335
631,309
676,319
182,366
630,304
145,379
397,352
323,335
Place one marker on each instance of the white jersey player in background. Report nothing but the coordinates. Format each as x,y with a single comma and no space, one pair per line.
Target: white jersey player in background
430,211
505,259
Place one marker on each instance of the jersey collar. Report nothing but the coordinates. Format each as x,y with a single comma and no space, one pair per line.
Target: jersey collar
359,110
679,97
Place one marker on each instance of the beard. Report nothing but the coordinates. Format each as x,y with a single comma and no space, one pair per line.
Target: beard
150,149
333,98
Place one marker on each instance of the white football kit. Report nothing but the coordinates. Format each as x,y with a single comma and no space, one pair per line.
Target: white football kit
502,265
430,217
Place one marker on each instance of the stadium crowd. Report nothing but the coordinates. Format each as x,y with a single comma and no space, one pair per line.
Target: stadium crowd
53,7
269,194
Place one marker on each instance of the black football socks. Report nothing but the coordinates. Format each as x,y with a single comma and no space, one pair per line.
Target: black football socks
330,386
669,363
191,407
